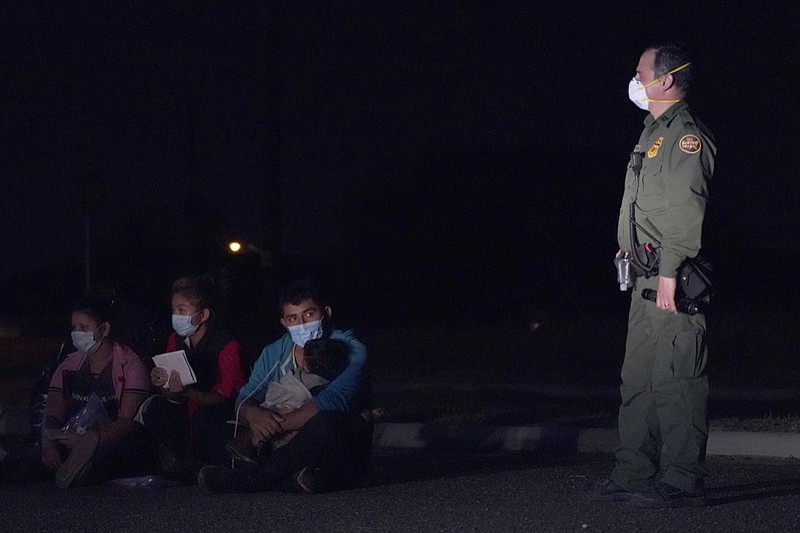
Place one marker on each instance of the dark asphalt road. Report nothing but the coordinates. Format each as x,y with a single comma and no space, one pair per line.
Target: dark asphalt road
425,491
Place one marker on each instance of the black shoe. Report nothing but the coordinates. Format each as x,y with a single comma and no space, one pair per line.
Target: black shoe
77,466
665,496
175,467
606,491
223,479
243,454
306,481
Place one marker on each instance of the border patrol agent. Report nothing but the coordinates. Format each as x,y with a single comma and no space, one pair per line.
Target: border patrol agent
663,420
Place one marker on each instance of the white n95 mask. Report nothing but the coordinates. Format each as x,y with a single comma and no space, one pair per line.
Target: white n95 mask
638,95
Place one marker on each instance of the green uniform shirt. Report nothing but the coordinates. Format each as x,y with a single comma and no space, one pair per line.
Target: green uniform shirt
671,190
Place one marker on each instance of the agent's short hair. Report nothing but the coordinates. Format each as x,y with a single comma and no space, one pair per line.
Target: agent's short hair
669,57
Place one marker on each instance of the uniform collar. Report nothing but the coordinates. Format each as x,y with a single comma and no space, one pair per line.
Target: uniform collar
667,116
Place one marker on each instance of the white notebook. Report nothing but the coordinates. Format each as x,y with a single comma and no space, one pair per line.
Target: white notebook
176,361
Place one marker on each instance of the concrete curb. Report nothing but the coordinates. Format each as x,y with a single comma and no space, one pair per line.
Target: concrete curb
447,435
760,394
754,444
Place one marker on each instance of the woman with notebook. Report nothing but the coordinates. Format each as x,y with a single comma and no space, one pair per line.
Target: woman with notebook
190,420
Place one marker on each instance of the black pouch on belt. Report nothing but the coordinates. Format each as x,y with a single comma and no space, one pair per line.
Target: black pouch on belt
645,260
694,278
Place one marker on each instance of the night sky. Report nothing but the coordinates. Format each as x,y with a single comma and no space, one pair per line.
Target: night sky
439,161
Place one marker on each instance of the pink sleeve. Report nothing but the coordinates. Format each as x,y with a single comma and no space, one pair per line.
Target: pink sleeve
230,377
135,377
57,381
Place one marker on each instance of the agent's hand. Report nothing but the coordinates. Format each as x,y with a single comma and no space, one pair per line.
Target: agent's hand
51,454
264,425
158,376
665,298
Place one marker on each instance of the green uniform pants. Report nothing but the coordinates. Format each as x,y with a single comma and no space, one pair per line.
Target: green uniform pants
663,418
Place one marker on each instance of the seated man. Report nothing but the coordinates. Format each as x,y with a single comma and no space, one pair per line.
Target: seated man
333,441
324,360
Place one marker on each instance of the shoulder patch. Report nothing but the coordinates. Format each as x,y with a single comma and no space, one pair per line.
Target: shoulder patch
690,144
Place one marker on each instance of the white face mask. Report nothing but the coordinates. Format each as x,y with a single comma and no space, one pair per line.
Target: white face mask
84,341
638,95
302,333
182,324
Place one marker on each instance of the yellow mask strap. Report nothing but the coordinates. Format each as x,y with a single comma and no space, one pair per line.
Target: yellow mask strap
673,71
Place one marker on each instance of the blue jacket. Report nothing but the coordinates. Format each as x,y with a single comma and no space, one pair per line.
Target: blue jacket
349,392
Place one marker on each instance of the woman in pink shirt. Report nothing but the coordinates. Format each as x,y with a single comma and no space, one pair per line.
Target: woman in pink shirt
88,432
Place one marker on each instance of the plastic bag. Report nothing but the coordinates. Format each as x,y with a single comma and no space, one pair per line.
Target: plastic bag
92,416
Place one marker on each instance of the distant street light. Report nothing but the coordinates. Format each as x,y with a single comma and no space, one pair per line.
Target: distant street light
265,257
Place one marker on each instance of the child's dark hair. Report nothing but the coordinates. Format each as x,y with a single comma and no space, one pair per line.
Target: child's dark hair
298,291
325,357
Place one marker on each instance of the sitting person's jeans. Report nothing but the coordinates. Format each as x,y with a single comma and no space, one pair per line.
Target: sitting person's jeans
336,446
199,438
131,455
